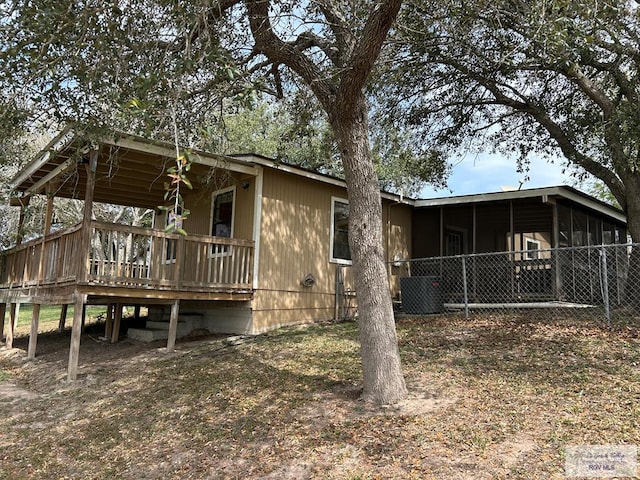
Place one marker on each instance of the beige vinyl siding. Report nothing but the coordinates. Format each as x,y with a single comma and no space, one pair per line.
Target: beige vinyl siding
295,241
199,203
398,236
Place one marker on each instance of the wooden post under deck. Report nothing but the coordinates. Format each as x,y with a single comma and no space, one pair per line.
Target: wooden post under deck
78,308
74,349
63,317
117,318
33,335
3,313
108,324
13,318
173,326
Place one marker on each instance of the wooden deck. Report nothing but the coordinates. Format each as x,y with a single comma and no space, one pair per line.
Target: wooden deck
129,262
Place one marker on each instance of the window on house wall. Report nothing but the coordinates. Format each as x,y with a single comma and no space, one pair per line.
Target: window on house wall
222,218
340,252
580,229
608,233
532,248
453,243
222,213
595,231
564,226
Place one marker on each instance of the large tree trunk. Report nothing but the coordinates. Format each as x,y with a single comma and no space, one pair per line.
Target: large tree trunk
632,211
382,371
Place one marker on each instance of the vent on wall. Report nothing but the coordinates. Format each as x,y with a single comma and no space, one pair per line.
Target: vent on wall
308,280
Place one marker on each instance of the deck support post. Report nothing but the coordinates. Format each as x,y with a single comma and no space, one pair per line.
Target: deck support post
33,335
3,313
117,318
74,349
13,320
48,214
16,316
46,231
84,315
173,326
108,323
63,317
85,242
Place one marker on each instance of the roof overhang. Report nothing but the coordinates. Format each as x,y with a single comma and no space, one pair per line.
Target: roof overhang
56,145
131,169
545,193
319,177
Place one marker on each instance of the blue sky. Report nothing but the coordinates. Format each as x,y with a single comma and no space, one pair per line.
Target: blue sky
483,173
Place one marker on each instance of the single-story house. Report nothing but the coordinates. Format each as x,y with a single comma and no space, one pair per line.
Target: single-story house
266,243
265,240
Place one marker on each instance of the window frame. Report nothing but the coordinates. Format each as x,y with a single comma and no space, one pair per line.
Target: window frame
460,233
528,250
169,255
332,257
228,250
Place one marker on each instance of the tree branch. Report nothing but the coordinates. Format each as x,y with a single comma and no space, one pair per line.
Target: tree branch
577,76
309,39
366,52
278,51
558,134
340,28
214,12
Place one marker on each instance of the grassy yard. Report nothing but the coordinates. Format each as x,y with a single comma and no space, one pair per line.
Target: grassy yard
50,317
491,398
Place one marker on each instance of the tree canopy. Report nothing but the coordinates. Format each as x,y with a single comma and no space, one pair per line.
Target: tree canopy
533,77
162,68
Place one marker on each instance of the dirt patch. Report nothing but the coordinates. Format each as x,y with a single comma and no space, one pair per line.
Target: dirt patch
10,392
511,451
343,403
489,399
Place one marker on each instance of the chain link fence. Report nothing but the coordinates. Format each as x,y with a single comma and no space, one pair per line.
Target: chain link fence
599,282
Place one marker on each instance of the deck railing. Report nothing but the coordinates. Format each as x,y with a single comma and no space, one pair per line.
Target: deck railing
134,257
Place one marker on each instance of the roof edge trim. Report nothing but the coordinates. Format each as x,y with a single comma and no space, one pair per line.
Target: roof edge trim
66,136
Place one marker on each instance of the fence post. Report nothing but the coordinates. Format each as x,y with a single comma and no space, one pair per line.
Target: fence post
336,313
464,288
605,285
